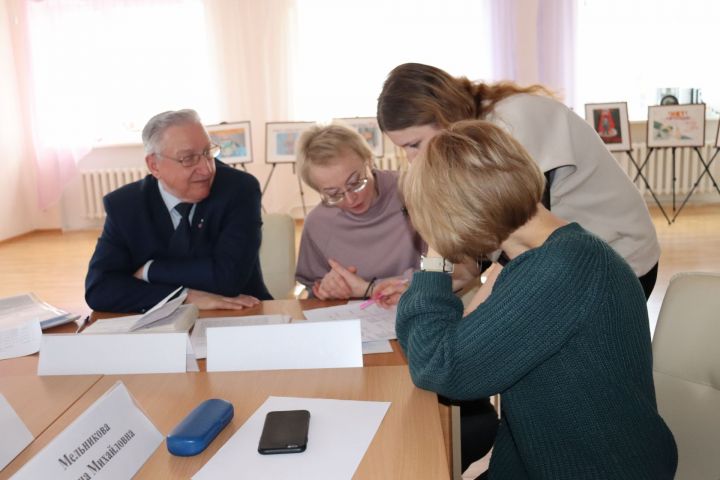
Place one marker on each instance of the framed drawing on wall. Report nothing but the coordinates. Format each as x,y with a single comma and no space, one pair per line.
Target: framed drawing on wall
610,121
369,129
234,140
676,125
280,140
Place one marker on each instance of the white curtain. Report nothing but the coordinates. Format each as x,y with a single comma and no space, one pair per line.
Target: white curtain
96,70
533,42
251,50
556,47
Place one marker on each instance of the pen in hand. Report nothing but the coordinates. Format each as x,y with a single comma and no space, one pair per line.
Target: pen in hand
379,297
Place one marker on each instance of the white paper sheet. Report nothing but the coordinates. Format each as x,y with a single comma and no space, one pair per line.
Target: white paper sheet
162,309
15,435
121,353
29,307
285,346
377,323
377,346
104,430
199,337
19,337
340,433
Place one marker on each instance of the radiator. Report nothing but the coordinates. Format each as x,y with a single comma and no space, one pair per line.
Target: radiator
98,183
659,169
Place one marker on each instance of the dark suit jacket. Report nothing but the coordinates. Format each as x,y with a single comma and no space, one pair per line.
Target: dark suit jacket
224,258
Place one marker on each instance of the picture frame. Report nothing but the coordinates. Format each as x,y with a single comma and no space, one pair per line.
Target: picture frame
676,125
610,121
369,129
234,140
281,139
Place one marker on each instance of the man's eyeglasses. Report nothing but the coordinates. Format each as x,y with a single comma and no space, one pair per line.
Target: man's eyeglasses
335,197
192,159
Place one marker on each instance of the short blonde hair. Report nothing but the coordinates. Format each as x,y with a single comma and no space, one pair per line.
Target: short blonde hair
321,145
473,186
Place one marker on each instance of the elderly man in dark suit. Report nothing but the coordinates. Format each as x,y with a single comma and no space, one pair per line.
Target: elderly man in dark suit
194,222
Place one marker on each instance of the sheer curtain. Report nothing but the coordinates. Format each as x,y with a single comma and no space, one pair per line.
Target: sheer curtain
533,42
251,48
98,69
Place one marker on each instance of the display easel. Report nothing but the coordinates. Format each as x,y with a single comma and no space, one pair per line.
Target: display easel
302,193
647,184
280,140
706,169
673,127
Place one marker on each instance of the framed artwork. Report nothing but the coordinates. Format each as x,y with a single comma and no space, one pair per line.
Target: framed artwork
610,121
280,140
369,129
676,125
234,140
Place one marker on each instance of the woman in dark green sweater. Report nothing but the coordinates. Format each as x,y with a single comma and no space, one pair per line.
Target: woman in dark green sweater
562,332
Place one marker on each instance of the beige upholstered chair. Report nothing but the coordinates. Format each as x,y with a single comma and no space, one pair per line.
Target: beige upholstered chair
686,367
277,254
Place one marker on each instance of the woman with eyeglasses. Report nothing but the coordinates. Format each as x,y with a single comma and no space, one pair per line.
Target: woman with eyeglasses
360,233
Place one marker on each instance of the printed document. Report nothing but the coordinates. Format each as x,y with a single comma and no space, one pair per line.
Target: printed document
198,338
376,323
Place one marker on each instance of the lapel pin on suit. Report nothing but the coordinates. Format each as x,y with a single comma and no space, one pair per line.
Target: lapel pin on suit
200,224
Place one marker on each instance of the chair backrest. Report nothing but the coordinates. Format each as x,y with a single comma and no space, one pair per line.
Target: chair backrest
686,368
277,254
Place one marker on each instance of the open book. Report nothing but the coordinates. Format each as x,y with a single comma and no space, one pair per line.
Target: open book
180,320
169,315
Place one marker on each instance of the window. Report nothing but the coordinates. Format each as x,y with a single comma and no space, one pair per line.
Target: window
627,51
346,49
102,68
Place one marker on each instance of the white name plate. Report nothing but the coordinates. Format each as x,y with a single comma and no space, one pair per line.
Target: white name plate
69,354
15,435
335,344
111,440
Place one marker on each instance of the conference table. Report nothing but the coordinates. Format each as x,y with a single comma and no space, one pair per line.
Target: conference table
413,440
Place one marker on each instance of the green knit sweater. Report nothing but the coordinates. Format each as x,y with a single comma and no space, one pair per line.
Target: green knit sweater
565,339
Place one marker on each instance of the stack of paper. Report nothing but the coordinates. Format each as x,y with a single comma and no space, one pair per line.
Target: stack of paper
21,320
29,307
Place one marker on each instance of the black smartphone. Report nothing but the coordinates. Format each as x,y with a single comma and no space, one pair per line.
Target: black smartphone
285,431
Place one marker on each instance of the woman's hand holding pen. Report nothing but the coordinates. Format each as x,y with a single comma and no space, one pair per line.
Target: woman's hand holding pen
388,291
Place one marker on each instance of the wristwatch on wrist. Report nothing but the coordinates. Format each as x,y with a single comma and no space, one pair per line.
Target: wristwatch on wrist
436,264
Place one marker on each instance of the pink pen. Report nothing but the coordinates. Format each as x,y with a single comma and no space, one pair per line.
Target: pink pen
367,303
377,296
